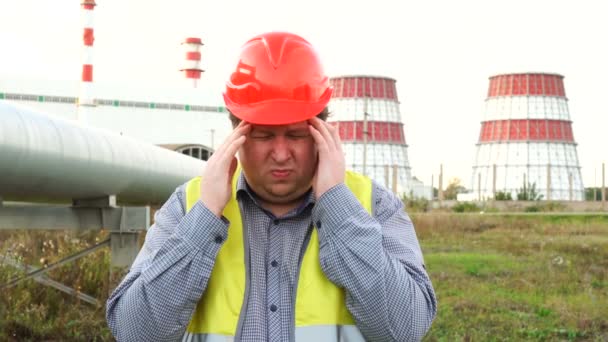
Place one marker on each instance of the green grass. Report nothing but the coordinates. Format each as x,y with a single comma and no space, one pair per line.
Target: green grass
498,277
518,277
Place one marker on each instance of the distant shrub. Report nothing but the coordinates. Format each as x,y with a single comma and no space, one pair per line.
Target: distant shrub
532,209
544,207
415,204
593,194
503,196
529,193
491,210
465,207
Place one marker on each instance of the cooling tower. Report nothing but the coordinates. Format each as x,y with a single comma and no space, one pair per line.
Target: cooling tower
526,140
366,110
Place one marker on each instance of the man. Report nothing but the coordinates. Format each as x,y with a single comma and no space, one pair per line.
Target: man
290,248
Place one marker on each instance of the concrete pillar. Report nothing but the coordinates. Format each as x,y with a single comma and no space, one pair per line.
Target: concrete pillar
479,187
124,248
494,181
548,182
526,188
570,190
386,176
395,178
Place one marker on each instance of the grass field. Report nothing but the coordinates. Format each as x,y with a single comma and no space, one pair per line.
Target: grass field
517,277
497,278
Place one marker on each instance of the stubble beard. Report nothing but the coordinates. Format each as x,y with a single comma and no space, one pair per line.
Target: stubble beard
285,194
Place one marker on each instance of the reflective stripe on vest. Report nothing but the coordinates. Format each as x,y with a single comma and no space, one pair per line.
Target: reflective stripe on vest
320,305
318,333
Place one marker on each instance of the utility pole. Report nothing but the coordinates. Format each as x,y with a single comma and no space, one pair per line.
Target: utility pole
595,184
440,190
548,182
432,187
570,192
494,181
525,190
603,185
386,180
395,178
479,187
365,114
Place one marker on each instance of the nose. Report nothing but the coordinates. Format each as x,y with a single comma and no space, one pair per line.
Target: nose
280,150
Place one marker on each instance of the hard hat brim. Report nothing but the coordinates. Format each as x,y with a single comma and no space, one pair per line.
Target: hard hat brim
278,112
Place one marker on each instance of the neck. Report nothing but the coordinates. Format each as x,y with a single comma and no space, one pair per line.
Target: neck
280,209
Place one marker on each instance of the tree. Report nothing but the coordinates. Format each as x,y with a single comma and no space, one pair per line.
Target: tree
503,196
454,188
529,193
593,194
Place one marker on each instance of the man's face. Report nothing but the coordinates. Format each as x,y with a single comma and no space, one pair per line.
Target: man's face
279,161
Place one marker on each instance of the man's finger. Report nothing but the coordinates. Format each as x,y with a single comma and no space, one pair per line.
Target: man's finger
321,127
240,130
232,148
336,136
325,131
319,139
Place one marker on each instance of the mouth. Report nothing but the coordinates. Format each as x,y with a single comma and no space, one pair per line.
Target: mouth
280,173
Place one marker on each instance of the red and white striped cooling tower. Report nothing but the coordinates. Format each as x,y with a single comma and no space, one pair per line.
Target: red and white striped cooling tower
366,110
526,138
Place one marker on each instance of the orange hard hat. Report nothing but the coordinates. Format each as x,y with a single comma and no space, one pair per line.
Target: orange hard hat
278,80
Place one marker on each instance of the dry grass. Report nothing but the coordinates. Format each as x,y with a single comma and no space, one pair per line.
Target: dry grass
501,277
497,277
31,311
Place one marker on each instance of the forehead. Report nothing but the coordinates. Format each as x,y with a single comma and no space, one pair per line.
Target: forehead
281,128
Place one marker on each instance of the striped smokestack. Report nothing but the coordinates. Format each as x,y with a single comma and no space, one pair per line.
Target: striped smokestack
192,64
86,98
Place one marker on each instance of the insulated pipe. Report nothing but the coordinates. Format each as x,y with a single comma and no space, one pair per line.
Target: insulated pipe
43,158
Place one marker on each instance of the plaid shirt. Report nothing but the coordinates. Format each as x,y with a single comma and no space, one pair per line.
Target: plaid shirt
376,259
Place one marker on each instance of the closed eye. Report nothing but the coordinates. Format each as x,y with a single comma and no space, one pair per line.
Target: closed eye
260,136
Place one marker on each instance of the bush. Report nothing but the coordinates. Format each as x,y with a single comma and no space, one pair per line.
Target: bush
490,209
593,194
503,196
529,193
532,209
466,207
544,207
415,204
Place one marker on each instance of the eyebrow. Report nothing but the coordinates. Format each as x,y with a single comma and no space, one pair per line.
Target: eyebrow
263,130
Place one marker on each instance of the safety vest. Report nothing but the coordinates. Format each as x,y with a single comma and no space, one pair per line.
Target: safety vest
320,313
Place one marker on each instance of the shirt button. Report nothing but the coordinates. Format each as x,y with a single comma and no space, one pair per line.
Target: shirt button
276,222
273,308
274,263
218,239
318,224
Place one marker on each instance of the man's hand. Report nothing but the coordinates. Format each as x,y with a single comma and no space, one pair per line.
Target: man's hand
331,165
216,185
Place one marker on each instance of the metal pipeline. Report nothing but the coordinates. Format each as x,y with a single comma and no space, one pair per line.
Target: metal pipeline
45,158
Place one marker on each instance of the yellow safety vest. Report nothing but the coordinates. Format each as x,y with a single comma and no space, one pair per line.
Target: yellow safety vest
320,313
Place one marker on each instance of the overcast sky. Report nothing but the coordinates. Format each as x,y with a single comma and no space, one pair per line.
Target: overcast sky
440,52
